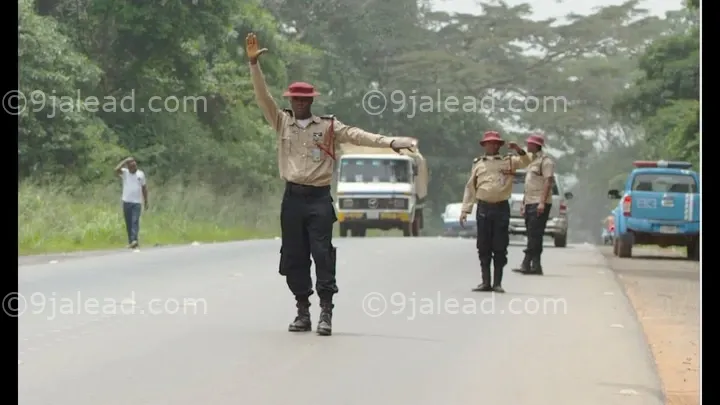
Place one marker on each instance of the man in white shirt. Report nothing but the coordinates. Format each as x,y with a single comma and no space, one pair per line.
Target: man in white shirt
134,194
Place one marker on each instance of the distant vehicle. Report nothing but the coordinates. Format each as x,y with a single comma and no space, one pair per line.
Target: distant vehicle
557,225
660,206
451,222
378,188
608,229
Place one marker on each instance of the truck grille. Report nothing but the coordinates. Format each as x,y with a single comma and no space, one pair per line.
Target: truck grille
374,203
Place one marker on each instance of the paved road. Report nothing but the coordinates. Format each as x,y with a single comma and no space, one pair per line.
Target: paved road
228,344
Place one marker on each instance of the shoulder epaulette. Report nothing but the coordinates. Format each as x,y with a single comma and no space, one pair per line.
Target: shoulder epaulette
327,117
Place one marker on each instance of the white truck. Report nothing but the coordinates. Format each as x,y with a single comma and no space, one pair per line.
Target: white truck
380,189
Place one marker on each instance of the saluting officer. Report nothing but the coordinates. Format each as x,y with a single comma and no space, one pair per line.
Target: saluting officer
306,154
490,187
539,180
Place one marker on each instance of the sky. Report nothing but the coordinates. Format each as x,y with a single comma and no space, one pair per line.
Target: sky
558,8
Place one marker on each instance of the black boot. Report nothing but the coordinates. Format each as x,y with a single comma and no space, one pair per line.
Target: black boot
324,327
525,265
302,322
485,286
497,280
535,267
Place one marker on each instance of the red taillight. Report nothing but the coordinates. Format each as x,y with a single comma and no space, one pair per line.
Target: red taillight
627,202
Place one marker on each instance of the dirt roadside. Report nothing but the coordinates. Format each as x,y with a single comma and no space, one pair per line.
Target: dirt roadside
664,288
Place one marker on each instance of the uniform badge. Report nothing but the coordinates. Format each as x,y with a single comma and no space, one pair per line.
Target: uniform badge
317,137
316,154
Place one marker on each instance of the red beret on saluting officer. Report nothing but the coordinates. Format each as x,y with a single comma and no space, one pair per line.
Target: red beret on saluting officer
306,155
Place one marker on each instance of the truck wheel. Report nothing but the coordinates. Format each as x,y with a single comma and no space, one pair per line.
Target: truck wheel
625,245
407,230
416,227
359,232
561,241
343,231
693,249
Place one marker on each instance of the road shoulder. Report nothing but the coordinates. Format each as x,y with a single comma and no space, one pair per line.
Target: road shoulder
664,290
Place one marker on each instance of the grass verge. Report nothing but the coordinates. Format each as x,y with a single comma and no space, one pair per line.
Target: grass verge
53,219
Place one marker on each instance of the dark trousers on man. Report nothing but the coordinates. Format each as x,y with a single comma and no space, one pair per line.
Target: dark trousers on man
493,238
535,224
306,220
132,212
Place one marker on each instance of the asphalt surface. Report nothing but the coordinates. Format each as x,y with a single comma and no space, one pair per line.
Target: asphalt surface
208,324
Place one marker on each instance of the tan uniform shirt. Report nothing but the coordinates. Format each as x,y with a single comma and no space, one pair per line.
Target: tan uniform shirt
487,183
542,167
300,160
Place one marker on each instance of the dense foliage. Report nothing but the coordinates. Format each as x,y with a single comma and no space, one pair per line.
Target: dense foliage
589,82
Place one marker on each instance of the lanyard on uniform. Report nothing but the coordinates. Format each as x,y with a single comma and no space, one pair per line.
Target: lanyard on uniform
329,148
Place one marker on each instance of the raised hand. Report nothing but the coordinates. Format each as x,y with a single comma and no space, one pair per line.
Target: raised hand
251,47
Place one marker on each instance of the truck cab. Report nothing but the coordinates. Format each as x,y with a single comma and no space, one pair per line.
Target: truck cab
659,206
378,191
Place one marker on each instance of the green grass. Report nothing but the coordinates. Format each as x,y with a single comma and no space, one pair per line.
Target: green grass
54,219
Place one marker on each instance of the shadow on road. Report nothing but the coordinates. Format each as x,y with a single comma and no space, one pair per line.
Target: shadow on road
663,258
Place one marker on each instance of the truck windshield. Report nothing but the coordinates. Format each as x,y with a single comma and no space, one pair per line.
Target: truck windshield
664,183
375,171
519,184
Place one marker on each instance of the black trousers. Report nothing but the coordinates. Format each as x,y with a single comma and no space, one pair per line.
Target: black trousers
493,233
535,225
306,220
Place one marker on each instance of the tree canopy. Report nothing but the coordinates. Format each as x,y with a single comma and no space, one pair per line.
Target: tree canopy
604,88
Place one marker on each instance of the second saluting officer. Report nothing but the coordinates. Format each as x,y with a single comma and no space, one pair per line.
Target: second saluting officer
306,154
490,187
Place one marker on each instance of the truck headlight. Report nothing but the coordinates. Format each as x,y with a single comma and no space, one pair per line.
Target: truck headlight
347,203
399,203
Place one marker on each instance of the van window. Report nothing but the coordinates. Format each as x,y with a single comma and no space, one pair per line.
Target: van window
363,170
664,183
519,184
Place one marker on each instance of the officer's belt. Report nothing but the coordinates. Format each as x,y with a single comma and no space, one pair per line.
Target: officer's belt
305,190
482,202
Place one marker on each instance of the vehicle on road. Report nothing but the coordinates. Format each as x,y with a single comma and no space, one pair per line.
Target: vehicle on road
659,206
451,222
380,189
608,228
557,225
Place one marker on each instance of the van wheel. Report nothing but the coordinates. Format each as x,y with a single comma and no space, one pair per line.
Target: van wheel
407,230
359,232
561,241
416,227
343,231
625,245
693,249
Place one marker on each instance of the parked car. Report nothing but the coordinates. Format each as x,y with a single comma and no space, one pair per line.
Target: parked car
557,225
451,222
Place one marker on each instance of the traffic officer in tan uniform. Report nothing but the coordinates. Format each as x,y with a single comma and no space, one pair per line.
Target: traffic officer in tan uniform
490,187
538,201
306,155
